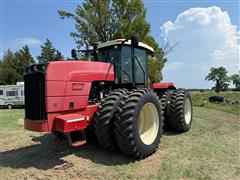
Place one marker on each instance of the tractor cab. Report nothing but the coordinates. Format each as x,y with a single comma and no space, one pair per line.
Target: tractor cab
129,58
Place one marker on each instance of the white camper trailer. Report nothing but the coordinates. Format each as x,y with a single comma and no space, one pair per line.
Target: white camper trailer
12,95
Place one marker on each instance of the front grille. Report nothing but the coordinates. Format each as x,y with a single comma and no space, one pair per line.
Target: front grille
34,84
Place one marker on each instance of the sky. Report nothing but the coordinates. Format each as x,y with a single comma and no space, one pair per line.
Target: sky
207,33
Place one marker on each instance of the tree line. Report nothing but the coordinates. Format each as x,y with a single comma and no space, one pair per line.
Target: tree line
222,80
13,64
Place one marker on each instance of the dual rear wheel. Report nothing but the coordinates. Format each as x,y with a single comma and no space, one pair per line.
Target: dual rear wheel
177,110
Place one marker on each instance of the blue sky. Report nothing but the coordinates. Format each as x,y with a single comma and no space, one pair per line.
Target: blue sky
32,22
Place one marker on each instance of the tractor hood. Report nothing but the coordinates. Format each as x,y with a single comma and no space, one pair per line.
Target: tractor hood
65,85
84,71
68,83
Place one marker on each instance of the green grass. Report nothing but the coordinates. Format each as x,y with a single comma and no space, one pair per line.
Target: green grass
201,99
210,150
11,122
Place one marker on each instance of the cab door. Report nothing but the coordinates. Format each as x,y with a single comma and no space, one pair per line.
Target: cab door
140,58
130,55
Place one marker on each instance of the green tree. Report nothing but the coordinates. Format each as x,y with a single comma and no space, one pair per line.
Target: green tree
13,65
49,53
23,59
156,63
235,78
8,73
100,21
219,75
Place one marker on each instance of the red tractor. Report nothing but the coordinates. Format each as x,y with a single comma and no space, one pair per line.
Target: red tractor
110,94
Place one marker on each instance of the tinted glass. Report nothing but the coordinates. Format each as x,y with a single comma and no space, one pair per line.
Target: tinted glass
1,92
126,65
141,65
111,55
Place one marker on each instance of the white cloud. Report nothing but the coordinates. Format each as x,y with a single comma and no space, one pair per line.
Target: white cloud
1,52
20,42
207,38
1,55
218,55
174,65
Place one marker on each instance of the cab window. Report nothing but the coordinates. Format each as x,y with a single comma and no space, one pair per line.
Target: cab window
140,65
110,55
126,65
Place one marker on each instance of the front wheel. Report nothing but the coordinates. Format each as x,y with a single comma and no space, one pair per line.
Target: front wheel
139,125
105,117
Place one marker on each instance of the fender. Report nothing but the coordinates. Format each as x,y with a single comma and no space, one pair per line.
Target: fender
9,104
163,86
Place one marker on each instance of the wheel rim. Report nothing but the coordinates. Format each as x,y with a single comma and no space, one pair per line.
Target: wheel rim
10,106
148,123
187,111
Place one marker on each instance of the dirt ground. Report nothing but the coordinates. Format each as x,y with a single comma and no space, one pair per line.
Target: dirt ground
46,157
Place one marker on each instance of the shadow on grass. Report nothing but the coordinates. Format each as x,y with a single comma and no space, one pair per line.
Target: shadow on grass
50,152
17,107
170,133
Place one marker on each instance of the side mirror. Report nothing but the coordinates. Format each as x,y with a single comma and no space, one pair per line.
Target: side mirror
74,54
134,41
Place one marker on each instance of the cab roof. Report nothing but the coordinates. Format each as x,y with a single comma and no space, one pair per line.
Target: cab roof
119,41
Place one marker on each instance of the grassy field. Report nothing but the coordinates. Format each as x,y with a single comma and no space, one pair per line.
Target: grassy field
201,99
210,150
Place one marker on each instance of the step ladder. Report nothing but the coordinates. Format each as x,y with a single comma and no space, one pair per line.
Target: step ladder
76,138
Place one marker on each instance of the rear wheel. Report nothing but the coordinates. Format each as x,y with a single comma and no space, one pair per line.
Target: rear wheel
181,111
164,97
139,124
105,116
10,106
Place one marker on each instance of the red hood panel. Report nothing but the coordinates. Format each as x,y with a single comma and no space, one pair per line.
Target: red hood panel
79,71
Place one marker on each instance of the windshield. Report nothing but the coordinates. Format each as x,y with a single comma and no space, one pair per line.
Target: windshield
110,54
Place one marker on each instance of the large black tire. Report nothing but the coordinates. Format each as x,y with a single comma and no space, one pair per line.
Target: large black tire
128,124
181,111
164,100
105,117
